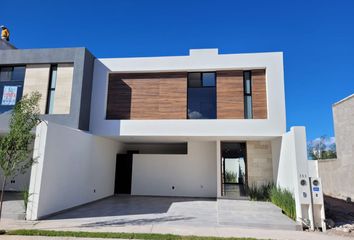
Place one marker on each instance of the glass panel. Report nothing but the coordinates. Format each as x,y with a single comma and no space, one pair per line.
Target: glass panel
247,75
194,80
5,74
235,170
18,73
248,107
54,77
248,86
208,79
201,103
51,101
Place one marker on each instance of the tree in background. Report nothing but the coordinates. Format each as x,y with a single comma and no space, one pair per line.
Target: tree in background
16,146
321,148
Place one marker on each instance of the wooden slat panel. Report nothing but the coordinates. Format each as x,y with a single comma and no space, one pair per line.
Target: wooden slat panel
230,99
259,94
147,96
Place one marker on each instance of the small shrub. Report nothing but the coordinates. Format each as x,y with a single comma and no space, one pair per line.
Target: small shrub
283,199
279,197
230,177
261,193
25,196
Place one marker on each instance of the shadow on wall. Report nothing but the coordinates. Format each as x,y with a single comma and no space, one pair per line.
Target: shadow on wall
119,99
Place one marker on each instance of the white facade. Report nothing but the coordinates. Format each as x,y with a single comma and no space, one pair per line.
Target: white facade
75,167
186,175
198,60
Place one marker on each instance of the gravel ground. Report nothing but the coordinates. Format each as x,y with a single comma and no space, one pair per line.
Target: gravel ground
342,215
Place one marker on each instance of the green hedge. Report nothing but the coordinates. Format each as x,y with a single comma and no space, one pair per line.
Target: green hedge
279,197
284,199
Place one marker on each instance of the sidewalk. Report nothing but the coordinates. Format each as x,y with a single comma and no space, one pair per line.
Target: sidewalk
177,230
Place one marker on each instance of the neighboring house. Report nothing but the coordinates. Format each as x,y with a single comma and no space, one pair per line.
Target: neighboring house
338,174
202,125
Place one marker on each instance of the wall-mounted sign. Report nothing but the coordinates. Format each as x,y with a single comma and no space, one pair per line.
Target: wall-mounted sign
9,95
316,189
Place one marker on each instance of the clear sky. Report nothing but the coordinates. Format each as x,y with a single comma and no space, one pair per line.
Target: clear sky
317,38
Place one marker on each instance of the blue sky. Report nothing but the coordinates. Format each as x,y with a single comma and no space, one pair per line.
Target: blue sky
317,38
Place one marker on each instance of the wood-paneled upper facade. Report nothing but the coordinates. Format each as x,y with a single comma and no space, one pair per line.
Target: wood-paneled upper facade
169,95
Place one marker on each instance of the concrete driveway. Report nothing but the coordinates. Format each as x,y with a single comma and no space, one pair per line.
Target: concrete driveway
133,211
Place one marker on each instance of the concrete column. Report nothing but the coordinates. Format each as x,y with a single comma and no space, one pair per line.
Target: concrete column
218,168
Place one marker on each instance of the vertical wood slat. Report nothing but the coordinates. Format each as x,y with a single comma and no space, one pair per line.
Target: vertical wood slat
164,95
147,96
259,94
230,98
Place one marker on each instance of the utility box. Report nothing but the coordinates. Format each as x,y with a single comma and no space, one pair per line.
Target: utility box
305,201
317,203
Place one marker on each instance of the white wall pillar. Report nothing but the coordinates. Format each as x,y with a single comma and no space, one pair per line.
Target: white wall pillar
218,168
36,171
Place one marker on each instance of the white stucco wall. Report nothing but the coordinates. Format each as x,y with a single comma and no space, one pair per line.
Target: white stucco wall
286,173
292,168
192,175
73,168
198,60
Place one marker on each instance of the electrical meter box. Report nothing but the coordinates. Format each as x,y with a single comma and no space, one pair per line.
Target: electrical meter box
317,203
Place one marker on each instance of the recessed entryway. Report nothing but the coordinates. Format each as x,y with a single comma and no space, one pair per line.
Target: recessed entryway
123,179
233,170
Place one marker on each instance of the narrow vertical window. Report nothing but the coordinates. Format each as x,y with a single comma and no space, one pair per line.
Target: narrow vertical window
51,89
247,88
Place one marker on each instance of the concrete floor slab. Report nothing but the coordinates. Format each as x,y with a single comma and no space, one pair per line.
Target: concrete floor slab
166,211
13,206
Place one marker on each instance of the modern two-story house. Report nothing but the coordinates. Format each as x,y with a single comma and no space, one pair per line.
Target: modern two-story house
201,125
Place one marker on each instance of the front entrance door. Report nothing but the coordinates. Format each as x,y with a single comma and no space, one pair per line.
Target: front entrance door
234,169
124,166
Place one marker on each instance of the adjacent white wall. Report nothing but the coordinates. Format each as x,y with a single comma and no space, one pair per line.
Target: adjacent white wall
292,168
198,60
192,175
73,168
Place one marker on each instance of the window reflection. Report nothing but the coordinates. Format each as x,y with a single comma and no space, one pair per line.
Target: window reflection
201,96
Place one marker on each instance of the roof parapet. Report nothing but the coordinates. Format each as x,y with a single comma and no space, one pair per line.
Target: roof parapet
203,52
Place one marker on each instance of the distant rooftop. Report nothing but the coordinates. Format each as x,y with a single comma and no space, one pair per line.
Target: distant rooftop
344,99
5,45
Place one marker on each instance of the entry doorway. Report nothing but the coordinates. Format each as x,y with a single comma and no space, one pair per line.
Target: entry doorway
124,168
233,169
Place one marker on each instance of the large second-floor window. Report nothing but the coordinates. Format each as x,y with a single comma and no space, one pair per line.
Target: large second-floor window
11,86
201,95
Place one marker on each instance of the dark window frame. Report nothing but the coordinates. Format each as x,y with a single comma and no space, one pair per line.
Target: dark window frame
247,94
19,83
201,79
12,67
